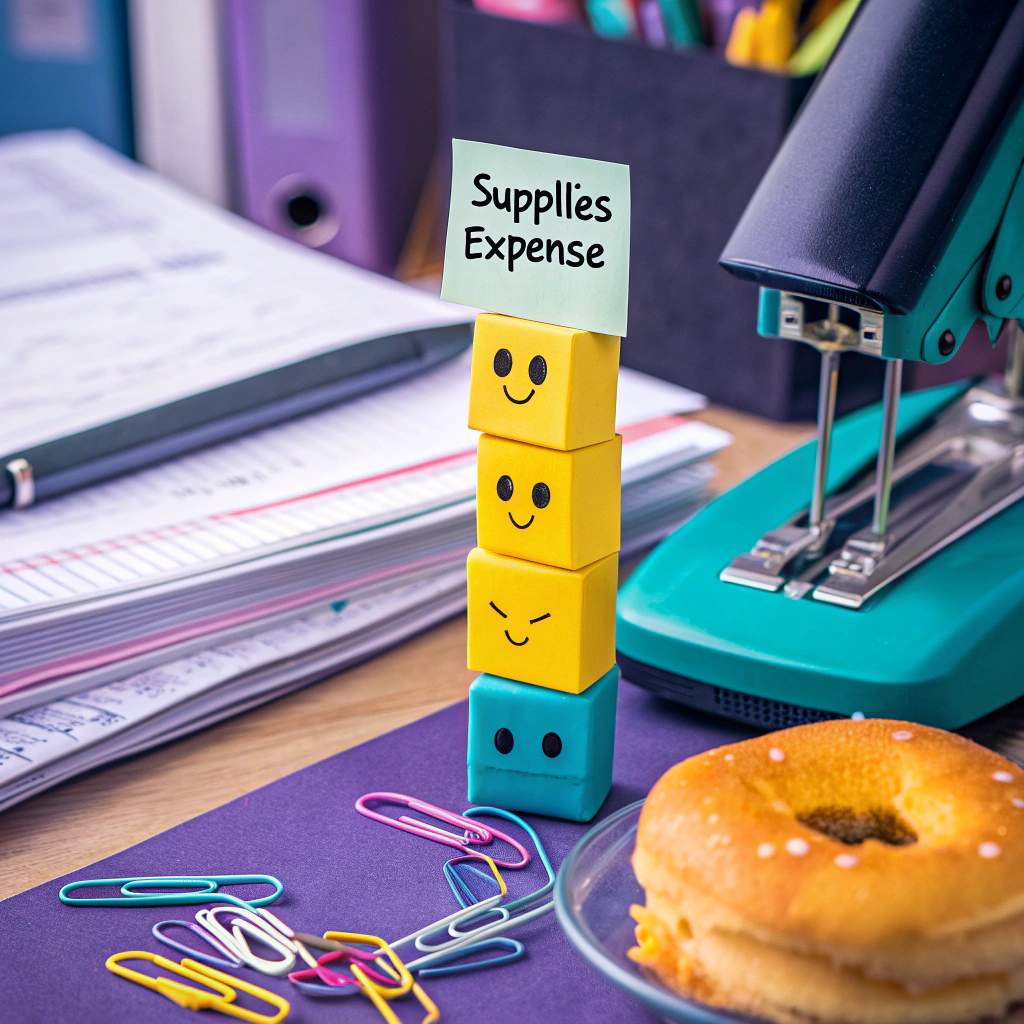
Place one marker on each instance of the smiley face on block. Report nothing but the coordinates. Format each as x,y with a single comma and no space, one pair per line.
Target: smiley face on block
540,624
546,385
560,508
536,750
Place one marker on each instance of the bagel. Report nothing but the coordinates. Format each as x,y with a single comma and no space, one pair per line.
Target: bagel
856,872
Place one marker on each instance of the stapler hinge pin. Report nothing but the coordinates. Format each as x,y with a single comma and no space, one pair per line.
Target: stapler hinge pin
826,415
886,447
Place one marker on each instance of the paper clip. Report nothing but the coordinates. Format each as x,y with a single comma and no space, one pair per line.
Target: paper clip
379,996
497,812
446,963
246,922
475,834
225,986
463,941
458,885
454,929
199,890
319,942
334,983
465,913
227,958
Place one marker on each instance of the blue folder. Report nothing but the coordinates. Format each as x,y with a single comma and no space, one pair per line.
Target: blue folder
65,65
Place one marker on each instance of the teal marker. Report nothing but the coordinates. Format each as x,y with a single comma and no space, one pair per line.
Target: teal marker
682,23
615,19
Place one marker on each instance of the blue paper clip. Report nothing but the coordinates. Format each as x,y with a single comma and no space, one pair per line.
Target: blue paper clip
464,943
203,889
227,959
436,970
460,887
314,988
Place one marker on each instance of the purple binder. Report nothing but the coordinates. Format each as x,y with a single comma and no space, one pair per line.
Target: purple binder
341,870
334,116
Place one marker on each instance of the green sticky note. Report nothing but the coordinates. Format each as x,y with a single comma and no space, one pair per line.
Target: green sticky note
538,236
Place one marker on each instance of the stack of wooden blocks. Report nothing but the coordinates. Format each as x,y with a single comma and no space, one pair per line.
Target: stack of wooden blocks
542,582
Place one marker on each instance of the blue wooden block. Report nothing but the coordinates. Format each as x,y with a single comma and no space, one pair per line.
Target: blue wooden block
540,750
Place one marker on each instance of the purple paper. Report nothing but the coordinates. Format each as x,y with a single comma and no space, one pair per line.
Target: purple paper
343,872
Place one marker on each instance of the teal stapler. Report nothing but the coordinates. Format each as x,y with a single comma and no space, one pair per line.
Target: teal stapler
891,220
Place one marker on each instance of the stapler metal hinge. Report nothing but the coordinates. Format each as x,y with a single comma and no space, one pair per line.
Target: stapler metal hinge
765,565
965,469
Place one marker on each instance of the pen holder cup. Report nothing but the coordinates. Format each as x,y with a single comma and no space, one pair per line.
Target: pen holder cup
698,135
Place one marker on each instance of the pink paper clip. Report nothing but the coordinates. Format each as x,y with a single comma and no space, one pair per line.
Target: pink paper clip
475,834
334,978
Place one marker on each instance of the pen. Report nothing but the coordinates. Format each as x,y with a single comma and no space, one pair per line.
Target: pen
198,421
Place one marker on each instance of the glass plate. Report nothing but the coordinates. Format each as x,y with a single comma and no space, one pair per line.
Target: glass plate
594,890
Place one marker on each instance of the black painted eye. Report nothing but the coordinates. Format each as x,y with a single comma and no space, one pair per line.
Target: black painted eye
551,744
504,742
541,495
538,369
504,487
503,362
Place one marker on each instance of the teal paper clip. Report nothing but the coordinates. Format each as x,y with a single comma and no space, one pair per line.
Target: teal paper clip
200,890
497,812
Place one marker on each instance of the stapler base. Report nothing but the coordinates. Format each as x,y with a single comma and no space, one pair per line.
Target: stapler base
941,645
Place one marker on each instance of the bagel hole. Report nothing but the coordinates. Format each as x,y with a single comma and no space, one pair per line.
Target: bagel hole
854,827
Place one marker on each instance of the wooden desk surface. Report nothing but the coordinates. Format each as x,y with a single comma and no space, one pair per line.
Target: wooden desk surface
113,808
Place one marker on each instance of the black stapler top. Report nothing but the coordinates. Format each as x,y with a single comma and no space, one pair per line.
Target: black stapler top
860,202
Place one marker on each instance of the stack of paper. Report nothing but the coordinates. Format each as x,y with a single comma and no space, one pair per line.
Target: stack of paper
358,497
140,609
184,600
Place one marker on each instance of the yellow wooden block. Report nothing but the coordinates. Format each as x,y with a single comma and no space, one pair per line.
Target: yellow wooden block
538,624
559,508
546,385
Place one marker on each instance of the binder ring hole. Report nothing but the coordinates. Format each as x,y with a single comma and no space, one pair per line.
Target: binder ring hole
297,207
303,210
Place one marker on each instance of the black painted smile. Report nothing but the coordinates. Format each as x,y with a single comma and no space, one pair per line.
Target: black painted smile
519,401
540,618
517,526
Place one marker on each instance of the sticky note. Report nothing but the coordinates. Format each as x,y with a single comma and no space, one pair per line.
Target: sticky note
541,751
560,508
538,235
546,385
540,624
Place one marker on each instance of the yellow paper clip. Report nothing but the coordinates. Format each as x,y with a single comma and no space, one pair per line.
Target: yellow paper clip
225,986
378,994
